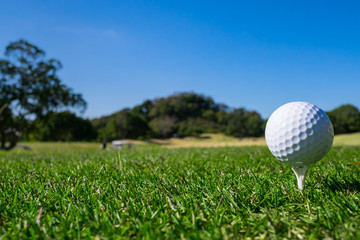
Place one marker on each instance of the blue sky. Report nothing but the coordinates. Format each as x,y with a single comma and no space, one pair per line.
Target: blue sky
253,54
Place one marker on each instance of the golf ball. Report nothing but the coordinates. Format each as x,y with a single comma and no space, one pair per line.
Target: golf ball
299,133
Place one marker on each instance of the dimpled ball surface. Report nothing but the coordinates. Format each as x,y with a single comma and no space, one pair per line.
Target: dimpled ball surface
299,133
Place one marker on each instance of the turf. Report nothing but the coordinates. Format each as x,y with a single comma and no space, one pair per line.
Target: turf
196,193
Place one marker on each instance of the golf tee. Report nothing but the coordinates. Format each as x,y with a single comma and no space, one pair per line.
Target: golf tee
300,173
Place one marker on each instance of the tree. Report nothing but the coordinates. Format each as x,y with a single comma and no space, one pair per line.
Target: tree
108,132
65,126
236,123
131,125
346,119
254,124
186,114
181,106
124,124
196,126
163,126
30,89
244,123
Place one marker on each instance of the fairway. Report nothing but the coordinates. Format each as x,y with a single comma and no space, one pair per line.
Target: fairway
205,140
207,193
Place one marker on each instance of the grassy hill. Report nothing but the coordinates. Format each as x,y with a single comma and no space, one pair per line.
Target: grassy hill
351,139
215,140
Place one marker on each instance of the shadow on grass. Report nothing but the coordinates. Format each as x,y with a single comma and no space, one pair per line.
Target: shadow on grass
24,147
157,143
202,137
352,185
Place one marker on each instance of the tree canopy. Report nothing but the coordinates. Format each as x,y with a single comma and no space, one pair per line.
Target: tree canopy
191,114
346,119
181,114
63,126
30,89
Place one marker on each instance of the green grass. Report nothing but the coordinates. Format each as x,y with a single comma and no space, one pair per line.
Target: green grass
207,193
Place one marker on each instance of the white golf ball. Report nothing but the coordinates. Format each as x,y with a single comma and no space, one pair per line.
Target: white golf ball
299,134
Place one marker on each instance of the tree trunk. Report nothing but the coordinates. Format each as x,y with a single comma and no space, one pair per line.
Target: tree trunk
11,145
12,141
2,138
3,107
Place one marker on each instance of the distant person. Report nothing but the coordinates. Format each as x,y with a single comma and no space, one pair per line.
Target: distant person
103,145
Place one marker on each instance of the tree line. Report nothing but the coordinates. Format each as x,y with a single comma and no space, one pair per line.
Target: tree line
191,114
181,114
36,105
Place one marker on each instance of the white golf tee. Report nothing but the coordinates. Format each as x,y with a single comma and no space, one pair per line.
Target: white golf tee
300,173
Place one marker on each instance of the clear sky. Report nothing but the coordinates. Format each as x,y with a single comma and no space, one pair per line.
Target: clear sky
253,54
